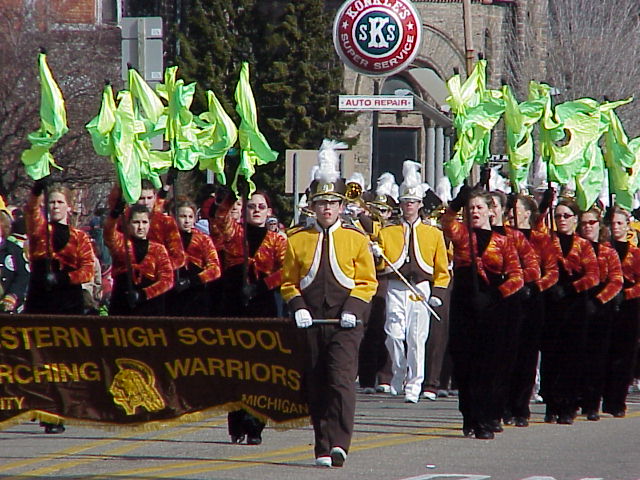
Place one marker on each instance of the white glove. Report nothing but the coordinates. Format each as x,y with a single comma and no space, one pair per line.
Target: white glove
347,320
435,302
303,318
376,249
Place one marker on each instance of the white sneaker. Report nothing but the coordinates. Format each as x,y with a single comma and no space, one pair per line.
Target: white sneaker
429,395
383,388
410,399
338,456
537,398
323,461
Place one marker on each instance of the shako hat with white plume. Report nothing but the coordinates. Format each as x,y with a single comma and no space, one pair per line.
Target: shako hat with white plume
386,193
327,184
411,187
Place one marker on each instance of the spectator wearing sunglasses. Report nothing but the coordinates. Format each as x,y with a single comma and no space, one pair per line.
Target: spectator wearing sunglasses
564,333
604,300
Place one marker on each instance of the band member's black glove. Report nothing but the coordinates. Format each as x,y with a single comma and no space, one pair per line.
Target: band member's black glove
118,208
591,307
527,291
547,199
40,185
485,175
56,279
557,293
182,283
135,297
480,301
616,302
461,199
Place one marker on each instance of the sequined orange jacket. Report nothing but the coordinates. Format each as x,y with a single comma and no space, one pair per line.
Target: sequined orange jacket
164,230
499,257
611,279
268,259
631,272
202,254
547,256
580,262
155,267
526,254
76,257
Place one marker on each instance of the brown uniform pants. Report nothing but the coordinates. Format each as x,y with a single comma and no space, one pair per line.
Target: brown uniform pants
330,374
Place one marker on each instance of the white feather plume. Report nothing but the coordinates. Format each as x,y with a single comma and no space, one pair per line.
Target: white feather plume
443,189
358,178
497,182
410,174
328,161
386,185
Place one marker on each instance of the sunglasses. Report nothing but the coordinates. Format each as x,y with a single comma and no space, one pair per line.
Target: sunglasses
260,206
565,216
591,223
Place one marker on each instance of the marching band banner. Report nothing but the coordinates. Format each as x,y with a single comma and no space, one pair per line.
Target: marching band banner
142,371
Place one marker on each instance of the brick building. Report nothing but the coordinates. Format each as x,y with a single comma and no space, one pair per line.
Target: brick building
511,35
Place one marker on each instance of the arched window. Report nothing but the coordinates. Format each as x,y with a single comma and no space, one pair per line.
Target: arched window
394,83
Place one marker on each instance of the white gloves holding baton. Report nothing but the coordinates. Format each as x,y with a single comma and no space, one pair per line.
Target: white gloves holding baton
303,319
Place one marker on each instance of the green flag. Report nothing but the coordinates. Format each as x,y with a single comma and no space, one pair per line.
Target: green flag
101,126
519,120
53,125
590,176
181,131
113,133
476,110
620,158
148,99
254,147
217,135
567,134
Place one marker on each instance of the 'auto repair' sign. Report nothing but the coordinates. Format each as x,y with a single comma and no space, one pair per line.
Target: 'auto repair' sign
377,37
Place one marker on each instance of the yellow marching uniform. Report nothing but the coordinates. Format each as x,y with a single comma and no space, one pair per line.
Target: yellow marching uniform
346,280
419,252
329,272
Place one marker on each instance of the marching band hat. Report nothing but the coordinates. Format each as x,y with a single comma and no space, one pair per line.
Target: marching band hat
411,188
327,184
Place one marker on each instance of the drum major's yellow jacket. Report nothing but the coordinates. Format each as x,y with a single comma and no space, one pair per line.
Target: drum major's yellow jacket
349,284
429,251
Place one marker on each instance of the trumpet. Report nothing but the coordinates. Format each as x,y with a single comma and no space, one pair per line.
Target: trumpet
354,192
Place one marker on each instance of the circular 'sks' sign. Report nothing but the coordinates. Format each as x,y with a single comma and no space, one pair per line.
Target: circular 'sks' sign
377,37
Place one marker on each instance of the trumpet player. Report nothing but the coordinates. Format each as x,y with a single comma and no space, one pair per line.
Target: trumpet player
414,257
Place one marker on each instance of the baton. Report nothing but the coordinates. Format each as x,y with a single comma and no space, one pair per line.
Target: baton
416,296
330,321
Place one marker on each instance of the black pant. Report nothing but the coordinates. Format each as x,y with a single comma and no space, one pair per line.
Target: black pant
525,365
476,341
563,345
595,359
373,352
241,422
621,357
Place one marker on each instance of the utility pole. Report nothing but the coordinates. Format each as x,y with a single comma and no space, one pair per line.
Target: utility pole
468,35
468,48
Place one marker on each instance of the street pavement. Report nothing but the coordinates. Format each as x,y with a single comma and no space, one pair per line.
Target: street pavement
393,440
